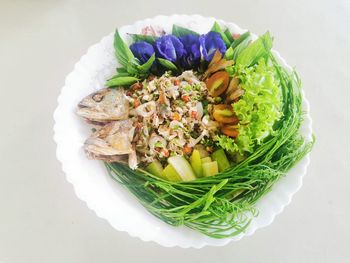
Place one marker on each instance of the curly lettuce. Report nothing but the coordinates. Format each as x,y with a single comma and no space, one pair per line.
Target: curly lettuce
258,109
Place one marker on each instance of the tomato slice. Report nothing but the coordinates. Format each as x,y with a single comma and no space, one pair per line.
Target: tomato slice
230,130
224,113
217,83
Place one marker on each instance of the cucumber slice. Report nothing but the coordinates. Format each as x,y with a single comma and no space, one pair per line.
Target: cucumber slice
155,168
182,167
210,169
221,158
206,160
170,173
196,163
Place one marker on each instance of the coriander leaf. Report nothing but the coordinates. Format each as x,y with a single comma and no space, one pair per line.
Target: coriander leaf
179,31
121,81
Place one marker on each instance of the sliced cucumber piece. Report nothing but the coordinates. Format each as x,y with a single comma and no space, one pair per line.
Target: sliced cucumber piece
155,168
206,160
182,167
221,158
171,174
196,163
210,169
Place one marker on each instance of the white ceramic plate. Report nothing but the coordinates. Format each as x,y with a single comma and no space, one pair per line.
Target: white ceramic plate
106,197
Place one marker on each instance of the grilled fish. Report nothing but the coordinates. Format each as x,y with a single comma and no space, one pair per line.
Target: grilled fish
104,106
112,143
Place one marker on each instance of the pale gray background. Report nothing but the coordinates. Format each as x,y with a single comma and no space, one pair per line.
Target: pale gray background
41,220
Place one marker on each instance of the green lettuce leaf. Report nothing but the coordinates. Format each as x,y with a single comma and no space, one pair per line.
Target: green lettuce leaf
258,109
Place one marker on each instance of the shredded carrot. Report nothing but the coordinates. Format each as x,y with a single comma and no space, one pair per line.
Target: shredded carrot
186,98
176,116
187,149
194,114
176,82
136,103
165,152
162,98
136,86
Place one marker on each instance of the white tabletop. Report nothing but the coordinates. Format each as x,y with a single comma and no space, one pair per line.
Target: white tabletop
41,219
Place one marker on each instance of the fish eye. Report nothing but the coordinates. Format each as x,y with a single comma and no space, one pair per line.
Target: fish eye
97,97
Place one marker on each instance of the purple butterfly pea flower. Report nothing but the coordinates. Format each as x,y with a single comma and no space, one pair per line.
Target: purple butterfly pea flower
169,47
209,43
142,50
192,52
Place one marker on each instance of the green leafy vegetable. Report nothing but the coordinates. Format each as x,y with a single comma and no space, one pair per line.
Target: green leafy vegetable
226,143
122,51
121,81
146,66
229,54
168,64
147,38
216,28
121,74
258,109
239,48
131,69
256,50
238,41
181,31
228,34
